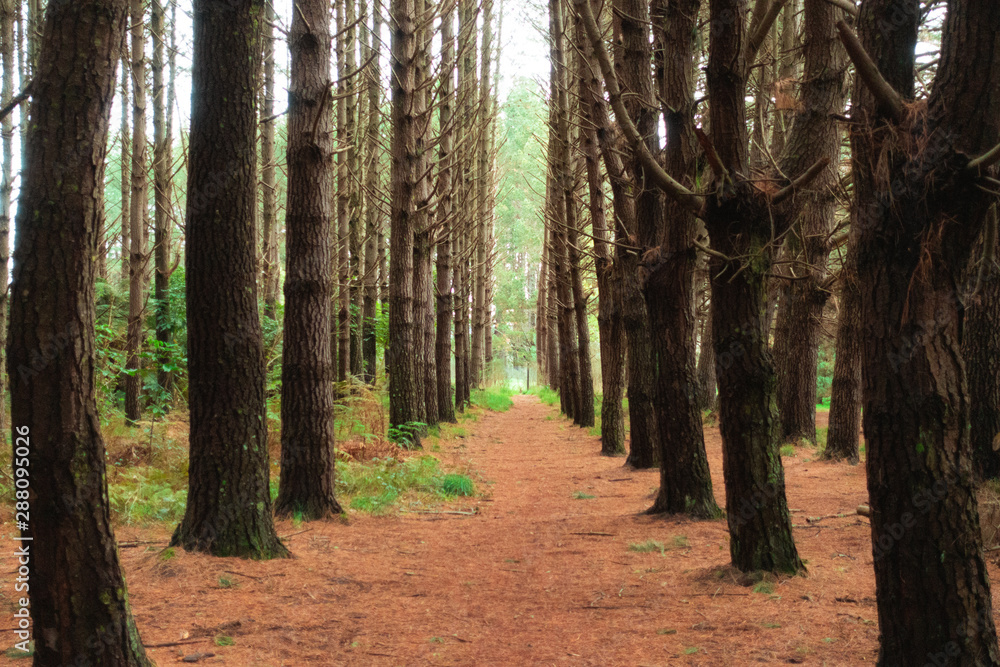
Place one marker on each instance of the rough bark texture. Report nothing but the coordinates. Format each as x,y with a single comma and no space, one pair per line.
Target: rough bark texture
609,320
79,603
981,349
445,211
480,306
813,136
307,373
740,225
403,390
126,168
162,143
229,505
137,216
373,226
343,319
8,12
354,183
269,261
919,213
669,269
706,366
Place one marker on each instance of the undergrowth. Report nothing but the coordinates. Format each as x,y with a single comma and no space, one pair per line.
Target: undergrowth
495,399
376,485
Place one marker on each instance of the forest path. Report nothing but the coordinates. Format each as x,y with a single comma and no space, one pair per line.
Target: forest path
539,575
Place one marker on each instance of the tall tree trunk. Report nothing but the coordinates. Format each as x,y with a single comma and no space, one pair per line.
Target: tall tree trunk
354,183
981,349
79,602
844,426
813,136
919,215
343,195
609,322
480,306
307,426
427,313
162,140
373,227
403,390
126,168
445,217
465,200
269,182
229,505
137,216
706,366
670,270
541,320
8,12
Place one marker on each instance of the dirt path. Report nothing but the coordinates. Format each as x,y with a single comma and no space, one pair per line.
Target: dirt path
538,576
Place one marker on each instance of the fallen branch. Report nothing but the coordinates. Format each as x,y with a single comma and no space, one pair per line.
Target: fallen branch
129,545
814,519
285,537
595,533
462,513
184,642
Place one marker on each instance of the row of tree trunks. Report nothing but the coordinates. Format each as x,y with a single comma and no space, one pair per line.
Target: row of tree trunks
373,219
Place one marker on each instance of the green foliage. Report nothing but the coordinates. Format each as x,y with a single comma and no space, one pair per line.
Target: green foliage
494,399
764,588
787,450
548,396
406,435
580,495
224,640
824,375
142,496
376,485
227,583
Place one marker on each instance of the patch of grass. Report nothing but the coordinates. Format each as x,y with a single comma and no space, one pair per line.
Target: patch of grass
681,541
691,650
228,583
770,625
167,554
788,450
666,631
648,546
454,484
376,485
494,399
580,495
224,640
548,396
144,495
16,653
763,587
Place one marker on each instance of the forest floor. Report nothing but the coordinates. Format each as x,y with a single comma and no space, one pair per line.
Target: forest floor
554,563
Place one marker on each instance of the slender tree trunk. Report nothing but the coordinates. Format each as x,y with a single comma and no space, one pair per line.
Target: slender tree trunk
427,312
162,140
373,227
670,269
844,426
541,319
609,322
354,183
126,168
307,426
137,216
706,365
445,213
343,195
403,390
269,181
79,602
480,306
981,349
813,136
8,12
464,214
229,505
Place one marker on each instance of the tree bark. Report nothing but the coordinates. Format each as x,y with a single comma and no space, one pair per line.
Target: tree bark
343,196
79,601
669,269
137,216
307,398
269,183
229,505
813,136
919,214
8,12
162,161
445,213
354,185
126,168
373,227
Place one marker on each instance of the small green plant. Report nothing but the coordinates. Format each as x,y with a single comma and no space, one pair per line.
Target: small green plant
666,631
224,640
457,485
770,625
691,650
227,583
764,587
787,450
648,546
406,435
167,554
436,640
580,495
681,542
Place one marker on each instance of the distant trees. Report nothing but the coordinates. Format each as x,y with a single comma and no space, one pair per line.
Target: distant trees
80,611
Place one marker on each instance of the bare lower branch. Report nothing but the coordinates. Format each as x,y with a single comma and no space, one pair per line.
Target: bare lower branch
800,182
887,97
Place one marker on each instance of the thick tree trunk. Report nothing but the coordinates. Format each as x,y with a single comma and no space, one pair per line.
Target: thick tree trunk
137,216
307,398
844,426
229,505
269,182
79,602
919,214
670,269
162,140
813,136
445,212
373,227
981,349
